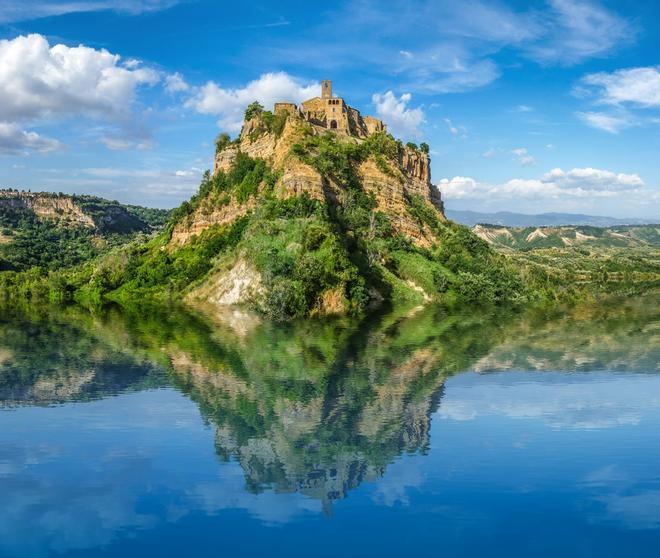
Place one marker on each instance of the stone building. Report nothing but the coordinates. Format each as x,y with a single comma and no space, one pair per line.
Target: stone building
328,111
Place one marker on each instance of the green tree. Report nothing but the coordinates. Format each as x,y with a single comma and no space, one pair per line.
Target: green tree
221,142
254,109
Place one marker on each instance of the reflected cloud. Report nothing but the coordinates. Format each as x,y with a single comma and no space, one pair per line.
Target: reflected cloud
582,401
281,422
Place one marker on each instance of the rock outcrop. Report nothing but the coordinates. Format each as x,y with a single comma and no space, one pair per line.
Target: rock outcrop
89,212
409,176
46,206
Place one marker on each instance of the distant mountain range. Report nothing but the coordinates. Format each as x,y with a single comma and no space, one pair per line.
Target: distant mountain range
510,219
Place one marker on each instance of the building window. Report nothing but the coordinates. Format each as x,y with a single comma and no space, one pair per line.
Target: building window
333,124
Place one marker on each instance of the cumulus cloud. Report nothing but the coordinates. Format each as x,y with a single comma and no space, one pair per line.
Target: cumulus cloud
523,157
230,104
174,83
637,86
42,82
630,93
14,141
400,119
556,184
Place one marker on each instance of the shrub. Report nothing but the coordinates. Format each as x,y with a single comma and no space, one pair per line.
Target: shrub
285,300
254,109
221,142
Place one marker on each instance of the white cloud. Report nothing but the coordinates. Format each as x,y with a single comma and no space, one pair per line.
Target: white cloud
40,81
174,83
44,83
637,86
230,104
585,183
400,119
460,187
449,70
120,143
630,92
576,30
594,179
523,157
455,129
458,54
20,10
608,122
14,141
568,402
489,153
523,108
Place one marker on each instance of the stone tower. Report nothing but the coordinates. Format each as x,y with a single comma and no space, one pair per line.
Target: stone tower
326,89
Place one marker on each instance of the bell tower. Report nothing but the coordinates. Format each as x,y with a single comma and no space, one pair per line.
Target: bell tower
326,89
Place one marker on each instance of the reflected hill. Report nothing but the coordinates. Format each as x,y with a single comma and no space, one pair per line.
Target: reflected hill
54,359
622,334
319,406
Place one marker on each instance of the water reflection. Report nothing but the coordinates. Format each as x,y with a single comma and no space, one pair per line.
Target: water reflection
319,407
301,416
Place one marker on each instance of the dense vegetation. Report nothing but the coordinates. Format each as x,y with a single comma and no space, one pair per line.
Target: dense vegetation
624,258
29,241
312,256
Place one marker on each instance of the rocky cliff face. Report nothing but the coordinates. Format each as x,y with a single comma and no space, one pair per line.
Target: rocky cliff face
88,212
392,185
46,206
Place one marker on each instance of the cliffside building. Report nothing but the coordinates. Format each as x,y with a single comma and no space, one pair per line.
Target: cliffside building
333,113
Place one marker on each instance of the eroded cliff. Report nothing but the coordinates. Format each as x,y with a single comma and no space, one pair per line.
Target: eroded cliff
393,181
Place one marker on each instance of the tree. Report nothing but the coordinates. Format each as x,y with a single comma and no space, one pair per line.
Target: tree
254,109
424,147
221,142
411,145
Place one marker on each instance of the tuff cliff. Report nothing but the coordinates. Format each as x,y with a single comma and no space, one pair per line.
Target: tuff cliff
54,231
393,182
64,210
304,216
298,218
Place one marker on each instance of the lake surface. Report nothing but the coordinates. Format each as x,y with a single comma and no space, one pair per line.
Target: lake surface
417,433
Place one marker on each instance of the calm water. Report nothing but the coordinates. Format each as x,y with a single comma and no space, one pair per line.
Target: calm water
410,434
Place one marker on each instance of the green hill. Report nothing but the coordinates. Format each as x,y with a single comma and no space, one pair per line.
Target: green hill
54,231
532,238
296,220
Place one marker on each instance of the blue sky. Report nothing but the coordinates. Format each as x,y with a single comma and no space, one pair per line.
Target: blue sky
528,106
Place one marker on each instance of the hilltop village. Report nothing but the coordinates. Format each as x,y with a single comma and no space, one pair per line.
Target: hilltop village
328,111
